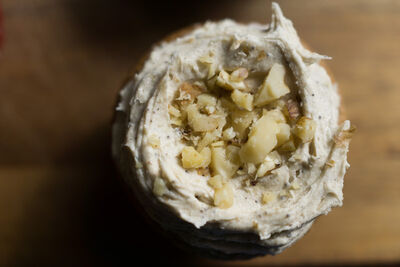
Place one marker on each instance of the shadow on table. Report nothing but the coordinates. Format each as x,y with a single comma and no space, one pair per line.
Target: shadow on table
82,215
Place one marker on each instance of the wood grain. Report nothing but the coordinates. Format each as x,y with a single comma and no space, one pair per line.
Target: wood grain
61,65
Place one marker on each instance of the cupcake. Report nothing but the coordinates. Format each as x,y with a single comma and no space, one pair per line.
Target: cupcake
229,137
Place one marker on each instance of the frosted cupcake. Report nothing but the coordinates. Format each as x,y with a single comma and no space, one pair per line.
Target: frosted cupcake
229,136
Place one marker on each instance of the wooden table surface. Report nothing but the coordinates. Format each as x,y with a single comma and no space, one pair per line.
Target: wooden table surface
60,68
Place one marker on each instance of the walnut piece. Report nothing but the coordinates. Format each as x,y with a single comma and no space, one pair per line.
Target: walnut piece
305,129
223,197
243,100
293,109
159,187
233,127
262,139
273,86
268,197
192,159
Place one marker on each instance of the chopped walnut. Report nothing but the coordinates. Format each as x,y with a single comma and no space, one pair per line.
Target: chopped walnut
230,129
293,109
305,129
239,75
344,136
330,163
154,141
261,56
223,197
188,92
159,187
268,197
173,111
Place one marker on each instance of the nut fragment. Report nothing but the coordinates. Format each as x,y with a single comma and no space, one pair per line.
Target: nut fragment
239,75
261,55
224,80
305,129
330,163
262,139
223,197
273,86
289,146
188,92
283,134
268,197
251,168
191,158
209,62
243,100
208,138
154,141
276,114
205,100
293,109
344,136
228,134
218,144
206,154
206,59
269,163
219,163
200,122
217,181
264,168
176,122
295,186
159,187
241,120
173,111
232,154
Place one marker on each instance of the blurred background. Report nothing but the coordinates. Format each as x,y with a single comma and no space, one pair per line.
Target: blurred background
61,65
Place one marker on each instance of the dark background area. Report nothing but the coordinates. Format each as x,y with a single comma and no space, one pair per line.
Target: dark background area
61,65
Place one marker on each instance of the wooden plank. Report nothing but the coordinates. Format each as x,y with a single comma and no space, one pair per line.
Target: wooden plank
60,68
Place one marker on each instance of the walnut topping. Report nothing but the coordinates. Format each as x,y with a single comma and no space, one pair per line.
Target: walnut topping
209,62
239,75
344,136
330,163
224,80
268,197
173,111
154,141
159,187
273,86
305,129
188,92
217,181
294,186
261,55
230,129
272,160
223,197
203,171
243,100
293,109
193,159
223,192
289,146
